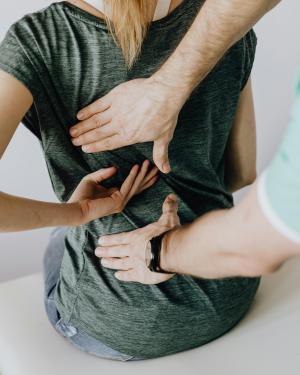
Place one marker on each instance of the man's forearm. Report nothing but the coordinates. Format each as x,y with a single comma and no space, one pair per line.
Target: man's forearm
224,243
18,214
219,24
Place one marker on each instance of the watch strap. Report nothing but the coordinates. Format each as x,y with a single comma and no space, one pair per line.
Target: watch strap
154,264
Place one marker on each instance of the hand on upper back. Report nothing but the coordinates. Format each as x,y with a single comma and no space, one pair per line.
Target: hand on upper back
136,111
15,100
96,201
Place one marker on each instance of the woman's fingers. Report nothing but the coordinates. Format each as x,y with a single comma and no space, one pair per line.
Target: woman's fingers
129,181
104,193
148,184
143,180
101,174
149,180
153,172
99,105
96,121
117,263
138,180
118,251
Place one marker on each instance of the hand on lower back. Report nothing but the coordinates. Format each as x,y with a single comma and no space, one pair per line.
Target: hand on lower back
137,111
96,201
125,252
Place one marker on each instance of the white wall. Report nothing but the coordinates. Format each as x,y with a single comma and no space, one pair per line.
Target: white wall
23,171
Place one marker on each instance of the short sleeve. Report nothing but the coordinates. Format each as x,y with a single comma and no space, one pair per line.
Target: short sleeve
15,60
249,45
280,185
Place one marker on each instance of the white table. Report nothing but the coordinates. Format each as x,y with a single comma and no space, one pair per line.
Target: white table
266,342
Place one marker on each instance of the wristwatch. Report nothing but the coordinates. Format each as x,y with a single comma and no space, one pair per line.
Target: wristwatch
152,254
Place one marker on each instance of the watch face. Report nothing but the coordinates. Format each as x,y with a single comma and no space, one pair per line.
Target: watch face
148,254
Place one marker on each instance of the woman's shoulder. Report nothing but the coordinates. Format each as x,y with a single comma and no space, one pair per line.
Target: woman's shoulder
20,49
35,23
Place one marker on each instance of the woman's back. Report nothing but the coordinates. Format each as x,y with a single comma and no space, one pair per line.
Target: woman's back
68,58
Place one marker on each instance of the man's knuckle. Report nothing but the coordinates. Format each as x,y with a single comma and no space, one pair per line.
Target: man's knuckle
108,144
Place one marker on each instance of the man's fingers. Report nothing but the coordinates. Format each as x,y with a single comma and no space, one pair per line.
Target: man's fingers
170,204
124,263
112,251
96,121
116,239
169,215
99,105
94,135
160,153
130,275
110,143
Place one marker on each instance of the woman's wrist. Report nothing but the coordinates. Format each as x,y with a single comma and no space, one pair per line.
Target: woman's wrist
73,214
62,214
18,214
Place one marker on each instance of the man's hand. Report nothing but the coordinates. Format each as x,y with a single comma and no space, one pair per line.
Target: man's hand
137,111
126,251
96,201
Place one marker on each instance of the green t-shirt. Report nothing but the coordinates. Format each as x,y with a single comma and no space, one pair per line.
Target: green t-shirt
68,59
279,186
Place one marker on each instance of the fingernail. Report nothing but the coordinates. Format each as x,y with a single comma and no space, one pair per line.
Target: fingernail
85,148
98,252
75,141
80,115
166,167
100,240
73,131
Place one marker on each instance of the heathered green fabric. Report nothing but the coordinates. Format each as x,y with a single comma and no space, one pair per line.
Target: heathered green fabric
68,59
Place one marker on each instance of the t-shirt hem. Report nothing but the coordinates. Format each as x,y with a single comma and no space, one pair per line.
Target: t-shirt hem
20,77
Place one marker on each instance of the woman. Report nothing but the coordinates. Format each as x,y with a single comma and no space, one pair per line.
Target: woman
66,55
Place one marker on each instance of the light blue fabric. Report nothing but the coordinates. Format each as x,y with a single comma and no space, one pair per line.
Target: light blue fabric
282,181
51,266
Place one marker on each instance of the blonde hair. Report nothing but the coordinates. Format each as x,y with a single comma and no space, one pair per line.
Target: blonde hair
129,24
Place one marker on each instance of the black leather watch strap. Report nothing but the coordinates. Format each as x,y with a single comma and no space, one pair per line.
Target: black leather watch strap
154,264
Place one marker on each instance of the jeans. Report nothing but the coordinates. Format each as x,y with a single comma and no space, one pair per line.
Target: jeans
51,267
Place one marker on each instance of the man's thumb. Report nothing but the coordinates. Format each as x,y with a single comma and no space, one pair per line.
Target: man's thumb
160,154
169,215
170,205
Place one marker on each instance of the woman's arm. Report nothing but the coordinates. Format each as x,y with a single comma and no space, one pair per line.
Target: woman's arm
240,169
20,213
88,202
15,101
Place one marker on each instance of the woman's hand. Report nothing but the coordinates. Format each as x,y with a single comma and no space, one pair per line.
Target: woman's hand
126,251
137,111
96,201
